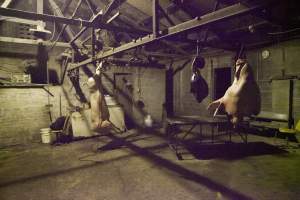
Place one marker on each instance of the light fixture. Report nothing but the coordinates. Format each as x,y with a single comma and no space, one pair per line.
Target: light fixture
265,54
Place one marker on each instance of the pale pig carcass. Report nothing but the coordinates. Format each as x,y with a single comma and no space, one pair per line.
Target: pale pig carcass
242,98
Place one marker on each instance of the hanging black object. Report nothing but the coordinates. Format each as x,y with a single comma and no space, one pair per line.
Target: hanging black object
199,86
198,62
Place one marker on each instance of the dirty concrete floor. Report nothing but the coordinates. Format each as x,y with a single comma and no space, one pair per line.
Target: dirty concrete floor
142,166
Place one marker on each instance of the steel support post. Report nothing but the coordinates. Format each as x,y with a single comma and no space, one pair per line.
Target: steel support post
155,18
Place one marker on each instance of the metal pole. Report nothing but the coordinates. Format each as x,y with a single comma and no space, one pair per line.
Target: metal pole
291,95
155,18
93,42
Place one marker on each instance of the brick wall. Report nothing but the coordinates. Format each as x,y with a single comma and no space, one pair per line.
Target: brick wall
185,102
282,56
24,111
152,89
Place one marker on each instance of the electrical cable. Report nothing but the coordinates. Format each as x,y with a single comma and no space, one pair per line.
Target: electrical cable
64,27
284,32
56,40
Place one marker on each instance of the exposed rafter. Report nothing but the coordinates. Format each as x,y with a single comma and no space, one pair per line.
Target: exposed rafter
31,42
100,17
219,15
44,17
66,5
56,10
114,4
63,20
125,62
6,3
18,20
166,16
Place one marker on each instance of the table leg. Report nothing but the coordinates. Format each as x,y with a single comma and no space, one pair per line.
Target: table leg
230,132
212,133
200,132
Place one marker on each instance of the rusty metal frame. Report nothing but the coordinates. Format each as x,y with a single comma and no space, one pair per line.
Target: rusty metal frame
217,16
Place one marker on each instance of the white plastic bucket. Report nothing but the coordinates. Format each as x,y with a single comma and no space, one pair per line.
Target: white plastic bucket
46,135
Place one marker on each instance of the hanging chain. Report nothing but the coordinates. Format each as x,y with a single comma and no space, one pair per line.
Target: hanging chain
197,47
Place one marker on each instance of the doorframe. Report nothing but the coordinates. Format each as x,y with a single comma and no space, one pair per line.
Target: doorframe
119,74
214,79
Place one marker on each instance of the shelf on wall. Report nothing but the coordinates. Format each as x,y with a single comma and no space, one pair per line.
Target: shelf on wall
32,85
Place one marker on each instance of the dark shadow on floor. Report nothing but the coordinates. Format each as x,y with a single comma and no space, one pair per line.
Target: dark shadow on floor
230,150
84,166
182,171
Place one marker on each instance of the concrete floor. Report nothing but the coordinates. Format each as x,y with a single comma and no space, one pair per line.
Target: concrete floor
142,166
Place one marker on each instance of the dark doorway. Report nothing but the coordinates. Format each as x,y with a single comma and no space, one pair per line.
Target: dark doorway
222,80
123,85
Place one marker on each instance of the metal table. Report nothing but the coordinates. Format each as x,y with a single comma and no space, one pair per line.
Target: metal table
173,123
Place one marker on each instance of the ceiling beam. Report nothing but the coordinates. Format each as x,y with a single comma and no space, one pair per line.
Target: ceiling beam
63,20
217,16
214,43
18,20
101,17
166,16
51,18
31,42
186,8
114,4
125,62
192,12
174,47
91,6
66,5
56,10
6,3
92,20
162,54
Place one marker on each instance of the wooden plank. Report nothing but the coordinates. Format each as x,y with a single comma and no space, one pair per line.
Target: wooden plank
31,42
18,20
6,3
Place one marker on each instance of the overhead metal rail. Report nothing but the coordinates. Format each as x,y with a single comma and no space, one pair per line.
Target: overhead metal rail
35,16
78,22
217,16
